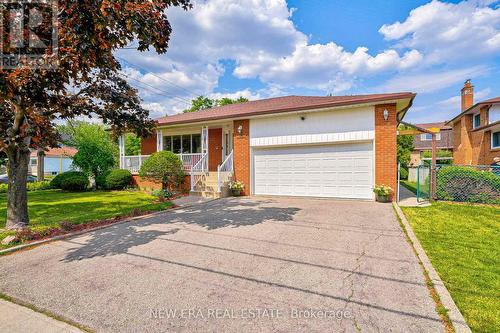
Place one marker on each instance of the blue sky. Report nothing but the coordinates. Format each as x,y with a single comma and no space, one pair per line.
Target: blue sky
268,48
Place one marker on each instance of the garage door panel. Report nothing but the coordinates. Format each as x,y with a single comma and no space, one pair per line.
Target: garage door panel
331,171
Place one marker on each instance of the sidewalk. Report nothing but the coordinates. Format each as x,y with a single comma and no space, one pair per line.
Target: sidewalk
19,319
408,199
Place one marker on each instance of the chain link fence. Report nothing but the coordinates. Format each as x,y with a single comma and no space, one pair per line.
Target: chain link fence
423,183
468,183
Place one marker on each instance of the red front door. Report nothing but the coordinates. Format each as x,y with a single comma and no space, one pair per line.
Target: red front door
214,148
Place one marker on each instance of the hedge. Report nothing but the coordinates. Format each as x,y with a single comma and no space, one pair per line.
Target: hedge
35,186
71,181
114,180
466,184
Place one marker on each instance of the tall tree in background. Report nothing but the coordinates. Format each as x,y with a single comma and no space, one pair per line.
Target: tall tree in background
85,82
97,153
203,103
405,147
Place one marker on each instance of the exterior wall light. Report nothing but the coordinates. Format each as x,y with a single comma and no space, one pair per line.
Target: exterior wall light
240,129
386,114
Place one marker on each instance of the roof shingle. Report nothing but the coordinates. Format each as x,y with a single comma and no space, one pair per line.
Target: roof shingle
278,105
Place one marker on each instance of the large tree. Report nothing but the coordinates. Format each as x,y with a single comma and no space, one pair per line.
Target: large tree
203,103
84,82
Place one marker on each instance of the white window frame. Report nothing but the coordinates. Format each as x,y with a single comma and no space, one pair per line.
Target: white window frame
474,120
423,137
494,147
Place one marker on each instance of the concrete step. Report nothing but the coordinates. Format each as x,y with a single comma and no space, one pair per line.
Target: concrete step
206,194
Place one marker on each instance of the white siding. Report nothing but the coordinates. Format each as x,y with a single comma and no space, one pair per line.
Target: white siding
344,125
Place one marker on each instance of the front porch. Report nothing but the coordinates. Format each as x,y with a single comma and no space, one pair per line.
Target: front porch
206,153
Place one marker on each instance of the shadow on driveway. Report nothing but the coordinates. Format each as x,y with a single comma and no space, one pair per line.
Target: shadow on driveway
234,213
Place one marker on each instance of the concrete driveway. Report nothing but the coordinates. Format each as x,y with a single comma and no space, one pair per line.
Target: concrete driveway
240,265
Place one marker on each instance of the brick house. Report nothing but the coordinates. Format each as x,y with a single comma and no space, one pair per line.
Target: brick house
423,142
476,130
338,146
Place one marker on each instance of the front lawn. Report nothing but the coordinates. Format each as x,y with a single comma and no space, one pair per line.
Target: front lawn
48,208
463,243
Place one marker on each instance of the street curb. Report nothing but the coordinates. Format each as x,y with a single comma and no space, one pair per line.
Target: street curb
81,232
456,318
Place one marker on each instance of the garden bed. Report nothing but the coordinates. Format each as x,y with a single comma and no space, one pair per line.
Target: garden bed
56,212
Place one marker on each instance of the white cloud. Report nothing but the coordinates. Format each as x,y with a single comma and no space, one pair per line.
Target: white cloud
261,39
247,93
446,31
431,81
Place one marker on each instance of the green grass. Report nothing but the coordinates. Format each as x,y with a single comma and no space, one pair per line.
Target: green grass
412,186
463,244
48,208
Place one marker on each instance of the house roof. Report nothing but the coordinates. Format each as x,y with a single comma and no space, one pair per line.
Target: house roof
441,125
56,152
279,105
475,107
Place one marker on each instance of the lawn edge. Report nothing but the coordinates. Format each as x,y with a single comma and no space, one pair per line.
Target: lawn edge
452,312
29,246
47,313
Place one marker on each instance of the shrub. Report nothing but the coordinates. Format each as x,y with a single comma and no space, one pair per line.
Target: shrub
114,180
39,186
70,181
57,180
164,167
403,173
162,194
467,184
36,186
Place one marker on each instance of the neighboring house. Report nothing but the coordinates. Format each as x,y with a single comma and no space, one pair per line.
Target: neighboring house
56,160
338,146
423,142
476,130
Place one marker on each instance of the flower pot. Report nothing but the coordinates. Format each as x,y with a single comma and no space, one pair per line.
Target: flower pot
236,192
382,198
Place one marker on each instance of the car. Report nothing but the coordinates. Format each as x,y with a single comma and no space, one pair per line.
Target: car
4,179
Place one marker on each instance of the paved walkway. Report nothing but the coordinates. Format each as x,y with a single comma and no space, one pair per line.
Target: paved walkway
409,199
19,319
234,265
190,200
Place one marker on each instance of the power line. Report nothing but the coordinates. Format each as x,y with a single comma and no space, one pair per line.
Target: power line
164,93
161,78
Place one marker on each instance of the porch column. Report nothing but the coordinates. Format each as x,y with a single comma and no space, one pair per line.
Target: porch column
159,140
121,147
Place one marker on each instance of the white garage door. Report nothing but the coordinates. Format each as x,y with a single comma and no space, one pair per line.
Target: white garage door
341,170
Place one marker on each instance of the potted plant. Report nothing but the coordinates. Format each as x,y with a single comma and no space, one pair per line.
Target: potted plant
382,193
236,188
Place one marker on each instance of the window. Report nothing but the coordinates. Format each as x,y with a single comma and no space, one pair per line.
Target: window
167,143
477,120
176,144
196,147
495,140
34,161
185,144
428,137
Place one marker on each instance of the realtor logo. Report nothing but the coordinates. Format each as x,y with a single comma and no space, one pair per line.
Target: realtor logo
28,33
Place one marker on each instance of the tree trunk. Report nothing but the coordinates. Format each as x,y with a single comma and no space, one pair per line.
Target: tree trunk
40,165
17,195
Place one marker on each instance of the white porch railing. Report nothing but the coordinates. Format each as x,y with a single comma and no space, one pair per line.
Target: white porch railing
134,163
225,171
199,170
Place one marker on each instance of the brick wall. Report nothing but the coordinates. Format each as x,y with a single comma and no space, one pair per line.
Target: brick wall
148,145
147,185
241,148
386,172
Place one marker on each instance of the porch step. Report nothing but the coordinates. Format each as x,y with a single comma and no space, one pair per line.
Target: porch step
207,194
